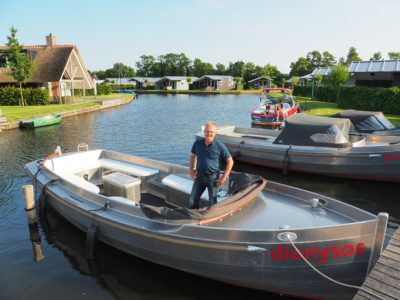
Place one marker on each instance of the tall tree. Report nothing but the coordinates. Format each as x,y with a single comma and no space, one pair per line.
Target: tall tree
338,76
394,55
99,74
236,69
376,56
249,71
119,70
183,65
172,64
200,68
328,59
352,55
147,67
300,68
220,69
19,62
315,60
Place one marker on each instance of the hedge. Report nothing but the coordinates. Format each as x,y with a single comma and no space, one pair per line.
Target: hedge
101,90
386,100
302,90
12,96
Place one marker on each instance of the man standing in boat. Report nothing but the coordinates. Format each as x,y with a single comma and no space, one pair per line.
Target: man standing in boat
209,154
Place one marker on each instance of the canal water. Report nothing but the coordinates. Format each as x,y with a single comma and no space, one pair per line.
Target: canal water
49,263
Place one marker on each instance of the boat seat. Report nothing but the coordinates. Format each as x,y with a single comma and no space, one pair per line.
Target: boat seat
79,182
181,184
185,185
128,168
122,200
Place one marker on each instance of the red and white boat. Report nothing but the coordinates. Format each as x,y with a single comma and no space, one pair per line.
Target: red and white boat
276,104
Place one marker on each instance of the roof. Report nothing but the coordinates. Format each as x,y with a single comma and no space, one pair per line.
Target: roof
49,63
324,71
375,66
259,78
214,77
146,79
122,80
308,76
176,78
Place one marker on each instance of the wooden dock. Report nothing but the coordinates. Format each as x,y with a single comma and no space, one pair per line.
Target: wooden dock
384,279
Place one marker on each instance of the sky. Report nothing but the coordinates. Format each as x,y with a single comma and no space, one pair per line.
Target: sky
215,31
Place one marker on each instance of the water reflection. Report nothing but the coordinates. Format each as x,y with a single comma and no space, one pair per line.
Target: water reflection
34,237
126,277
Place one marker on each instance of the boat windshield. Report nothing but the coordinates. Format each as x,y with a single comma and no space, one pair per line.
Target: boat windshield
287,99
268,100
374,123
336,134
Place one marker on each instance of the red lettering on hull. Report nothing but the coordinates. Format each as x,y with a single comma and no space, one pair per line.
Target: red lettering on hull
320,255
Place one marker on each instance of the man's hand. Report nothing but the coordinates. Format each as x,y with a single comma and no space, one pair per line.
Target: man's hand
221,180
192,171
193,174
229,165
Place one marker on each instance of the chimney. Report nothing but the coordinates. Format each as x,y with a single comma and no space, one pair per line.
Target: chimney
50,40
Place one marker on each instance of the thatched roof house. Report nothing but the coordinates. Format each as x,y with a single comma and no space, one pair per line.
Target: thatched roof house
58,68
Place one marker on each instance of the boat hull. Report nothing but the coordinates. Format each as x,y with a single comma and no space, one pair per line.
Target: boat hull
41,121
232,262
372,163
254,257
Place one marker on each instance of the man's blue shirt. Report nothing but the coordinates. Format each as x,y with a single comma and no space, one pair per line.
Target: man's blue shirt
209,157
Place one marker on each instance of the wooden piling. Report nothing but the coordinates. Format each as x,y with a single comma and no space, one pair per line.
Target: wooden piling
384,279
30,208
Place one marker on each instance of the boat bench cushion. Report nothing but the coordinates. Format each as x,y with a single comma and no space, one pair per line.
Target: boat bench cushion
122,200
74,163
127,167
79,182
181,184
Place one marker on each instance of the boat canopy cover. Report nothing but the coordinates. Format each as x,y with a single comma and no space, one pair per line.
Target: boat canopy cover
240,185
366,121
307,130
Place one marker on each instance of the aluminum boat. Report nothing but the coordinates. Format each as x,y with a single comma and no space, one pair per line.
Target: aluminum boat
318,145
247,239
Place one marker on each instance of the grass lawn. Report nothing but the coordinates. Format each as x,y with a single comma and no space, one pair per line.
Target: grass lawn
321,108
17,113
14,113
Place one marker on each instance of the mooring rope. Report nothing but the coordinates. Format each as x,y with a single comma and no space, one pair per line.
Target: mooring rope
331,279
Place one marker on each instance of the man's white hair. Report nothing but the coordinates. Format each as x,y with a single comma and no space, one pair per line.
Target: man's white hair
211,123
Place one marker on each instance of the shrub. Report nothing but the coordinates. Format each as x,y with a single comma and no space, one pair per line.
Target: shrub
326,93
11,95
103,89
302,90
386,100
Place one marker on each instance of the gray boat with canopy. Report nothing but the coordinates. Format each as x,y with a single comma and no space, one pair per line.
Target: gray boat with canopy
318,145
260,235
369,122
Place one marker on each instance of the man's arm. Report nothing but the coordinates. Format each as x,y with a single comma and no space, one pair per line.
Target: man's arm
192,160
227,171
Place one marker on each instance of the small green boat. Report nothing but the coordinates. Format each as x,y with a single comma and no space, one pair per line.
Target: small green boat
41,121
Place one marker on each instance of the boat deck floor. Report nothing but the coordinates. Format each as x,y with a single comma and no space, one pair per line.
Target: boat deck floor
150,199
254,136
270,210
273,210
